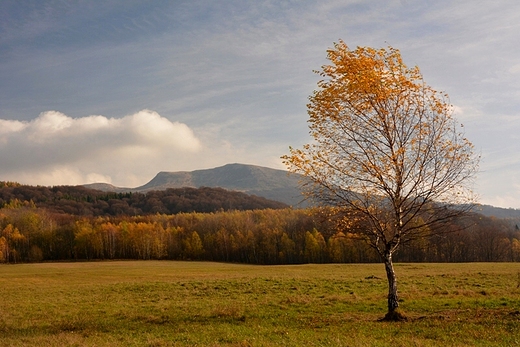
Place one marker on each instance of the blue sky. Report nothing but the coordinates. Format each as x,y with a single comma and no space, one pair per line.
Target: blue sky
116,91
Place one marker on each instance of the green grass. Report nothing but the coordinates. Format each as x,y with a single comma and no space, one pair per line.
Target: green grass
162,303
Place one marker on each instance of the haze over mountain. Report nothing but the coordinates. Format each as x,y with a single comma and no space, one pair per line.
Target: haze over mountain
269,183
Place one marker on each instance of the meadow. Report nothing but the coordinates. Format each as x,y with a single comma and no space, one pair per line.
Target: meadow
170,303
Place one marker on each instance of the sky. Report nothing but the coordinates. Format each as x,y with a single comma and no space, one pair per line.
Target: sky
117,91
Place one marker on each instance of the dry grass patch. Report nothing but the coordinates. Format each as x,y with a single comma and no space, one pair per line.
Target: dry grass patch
210,304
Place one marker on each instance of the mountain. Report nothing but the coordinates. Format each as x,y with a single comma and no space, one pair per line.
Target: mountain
498,212
106,187
265,182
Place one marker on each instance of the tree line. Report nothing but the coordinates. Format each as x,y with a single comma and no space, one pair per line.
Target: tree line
82,201
262,236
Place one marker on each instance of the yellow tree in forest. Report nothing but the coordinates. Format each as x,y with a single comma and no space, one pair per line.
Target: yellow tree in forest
385,150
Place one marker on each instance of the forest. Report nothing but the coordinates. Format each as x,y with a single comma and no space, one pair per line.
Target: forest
81,201
43,229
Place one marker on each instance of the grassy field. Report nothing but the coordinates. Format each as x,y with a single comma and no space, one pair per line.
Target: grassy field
163,303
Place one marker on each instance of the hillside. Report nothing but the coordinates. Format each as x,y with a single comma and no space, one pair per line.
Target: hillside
269,183
265,182
82,201
501,213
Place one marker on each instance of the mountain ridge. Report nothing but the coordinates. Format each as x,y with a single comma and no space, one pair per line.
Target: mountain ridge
273,184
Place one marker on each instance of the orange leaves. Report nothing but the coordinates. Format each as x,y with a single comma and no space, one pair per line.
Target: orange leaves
382,138
366,71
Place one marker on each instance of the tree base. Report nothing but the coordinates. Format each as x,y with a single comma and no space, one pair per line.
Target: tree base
394,316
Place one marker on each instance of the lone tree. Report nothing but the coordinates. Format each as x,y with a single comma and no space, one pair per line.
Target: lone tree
386,150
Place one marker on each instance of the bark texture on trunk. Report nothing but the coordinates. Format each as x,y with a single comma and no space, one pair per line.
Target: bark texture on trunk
393,300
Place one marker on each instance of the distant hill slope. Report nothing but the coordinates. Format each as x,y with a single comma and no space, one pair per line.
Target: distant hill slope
83,201
498,212
265,182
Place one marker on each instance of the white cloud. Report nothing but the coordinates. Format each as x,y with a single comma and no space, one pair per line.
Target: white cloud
57,149
237,74
9,127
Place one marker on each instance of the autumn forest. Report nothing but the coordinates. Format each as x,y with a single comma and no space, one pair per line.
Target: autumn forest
75,223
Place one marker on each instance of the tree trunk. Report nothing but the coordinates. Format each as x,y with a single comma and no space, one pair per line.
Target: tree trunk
393,302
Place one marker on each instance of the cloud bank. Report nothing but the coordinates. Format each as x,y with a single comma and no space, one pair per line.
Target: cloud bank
238,74
55,149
